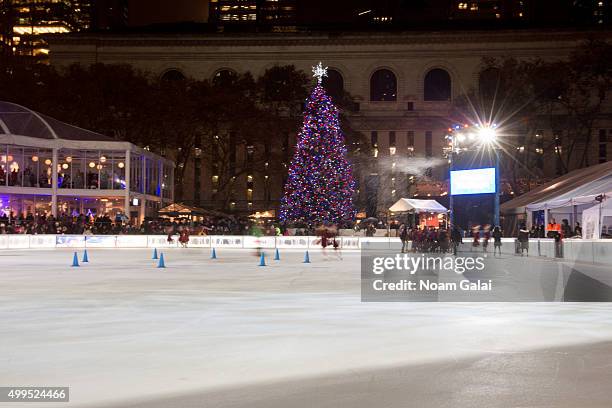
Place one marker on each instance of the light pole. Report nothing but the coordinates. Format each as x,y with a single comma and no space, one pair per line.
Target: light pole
486,138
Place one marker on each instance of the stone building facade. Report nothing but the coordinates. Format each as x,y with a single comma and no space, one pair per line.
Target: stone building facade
403,83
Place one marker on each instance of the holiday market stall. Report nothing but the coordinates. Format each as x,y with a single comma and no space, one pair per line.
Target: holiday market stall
428,213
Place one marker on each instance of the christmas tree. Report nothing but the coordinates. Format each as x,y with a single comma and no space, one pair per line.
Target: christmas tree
320,185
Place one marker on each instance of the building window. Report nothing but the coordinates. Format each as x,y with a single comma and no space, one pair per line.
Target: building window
410,142
172,75
224,77
437,85
374,138
428,144
383,86
334,84
250,153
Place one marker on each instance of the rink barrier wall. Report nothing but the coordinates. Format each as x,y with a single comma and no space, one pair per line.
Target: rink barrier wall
579,250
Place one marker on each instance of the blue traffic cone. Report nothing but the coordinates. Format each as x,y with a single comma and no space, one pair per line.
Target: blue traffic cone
161,263
213,255
154,253
85,258
262,260
75,260
306,258
276,255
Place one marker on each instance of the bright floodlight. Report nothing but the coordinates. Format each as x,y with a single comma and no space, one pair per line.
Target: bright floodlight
487,135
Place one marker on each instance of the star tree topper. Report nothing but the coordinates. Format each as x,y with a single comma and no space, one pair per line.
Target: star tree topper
319,72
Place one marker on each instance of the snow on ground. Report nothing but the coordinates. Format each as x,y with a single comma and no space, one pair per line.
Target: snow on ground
120,330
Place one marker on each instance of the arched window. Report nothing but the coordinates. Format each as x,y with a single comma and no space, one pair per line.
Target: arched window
383,86
224,77
173,75
333,84
437,86
489,82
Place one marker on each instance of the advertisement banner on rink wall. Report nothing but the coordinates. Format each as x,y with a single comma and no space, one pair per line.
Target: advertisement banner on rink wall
4,241
314,242
131,241
259,242
101,241
229,241
350,243
199,241
70,241
161,241
292,242
42,241
19,241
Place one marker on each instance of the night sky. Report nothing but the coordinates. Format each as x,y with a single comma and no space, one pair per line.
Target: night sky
143,12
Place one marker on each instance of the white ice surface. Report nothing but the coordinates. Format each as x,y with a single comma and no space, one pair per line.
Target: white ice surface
119,329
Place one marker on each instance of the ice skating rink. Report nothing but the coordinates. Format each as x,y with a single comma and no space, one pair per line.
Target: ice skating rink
227,333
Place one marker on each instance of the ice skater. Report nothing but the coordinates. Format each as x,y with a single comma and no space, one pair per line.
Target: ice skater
523,239
403,234
486,238
456,239
476,236
184,237
497,236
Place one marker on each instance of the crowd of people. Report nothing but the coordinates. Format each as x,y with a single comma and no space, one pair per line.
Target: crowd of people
442,240
87,224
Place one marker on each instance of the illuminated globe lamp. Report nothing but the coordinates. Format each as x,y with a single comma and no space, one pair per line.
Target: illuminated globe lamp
120,165
34,159
92,165
48,162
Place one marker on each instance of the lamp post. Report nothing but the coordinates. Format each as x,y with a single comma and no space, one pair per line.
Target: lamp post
497,192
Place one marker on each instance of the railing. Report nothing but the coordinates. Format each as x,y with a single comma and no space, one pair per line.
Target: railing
572,250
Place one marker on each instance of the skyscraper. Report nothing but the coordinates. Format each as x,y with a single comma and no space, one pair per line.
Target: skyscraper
267,15
24,23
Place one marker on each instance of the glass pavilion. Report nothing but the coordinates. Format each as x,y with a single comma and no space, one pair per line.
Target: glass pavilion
50,167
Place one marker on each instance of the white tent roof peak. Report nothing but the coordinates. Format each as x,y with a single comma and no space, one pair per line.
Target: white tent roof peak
418,206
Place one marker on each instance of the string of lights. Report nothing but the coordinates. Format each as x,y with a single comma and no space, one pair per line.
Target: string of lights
320,186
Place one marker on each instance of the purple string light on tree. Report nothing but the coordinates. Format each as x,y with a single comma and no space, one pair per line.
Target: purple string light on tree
320,185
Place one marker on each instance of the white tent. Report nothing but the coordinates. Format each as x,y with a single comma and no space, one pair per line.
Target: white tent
417,206
584,193
593,219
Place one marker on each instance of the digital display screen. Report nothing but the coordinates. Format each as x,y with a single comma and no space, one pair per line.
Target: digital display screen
474,181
